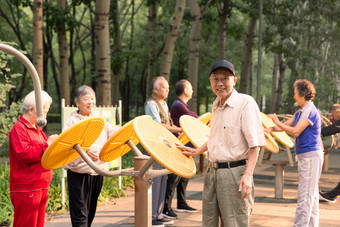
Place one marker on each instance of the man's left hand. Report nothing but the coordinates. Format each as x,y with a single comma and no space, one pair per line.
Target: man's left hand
245,186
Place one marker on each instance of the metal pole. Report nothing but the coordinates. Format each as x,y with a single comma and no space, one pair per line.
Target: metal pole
143,195
41,121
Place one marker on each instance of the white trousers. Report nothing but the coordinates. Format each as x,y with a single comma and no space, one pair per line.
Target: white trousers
309,169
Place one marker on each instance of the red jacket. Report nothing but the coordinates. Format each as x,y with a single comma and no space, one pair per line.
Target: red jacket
26,147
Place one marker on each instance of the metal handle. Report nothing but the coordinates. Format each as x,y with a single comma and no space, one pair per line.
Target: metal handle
41,121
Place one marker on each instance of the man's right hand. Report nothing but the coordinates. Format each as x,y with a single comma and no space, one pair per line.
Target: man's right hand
188,150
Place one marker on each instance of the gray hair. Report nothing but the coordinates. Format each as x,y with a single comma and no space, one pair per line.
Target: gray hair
334,107
155,82
81,91
29,100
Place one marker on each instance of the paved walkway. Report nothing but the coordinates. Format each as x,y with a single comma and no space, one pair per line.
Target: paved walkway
268,210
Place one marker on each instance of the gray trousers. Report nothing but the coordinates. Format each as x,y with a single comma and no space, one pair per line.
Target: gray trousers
222,200
309,169
158,196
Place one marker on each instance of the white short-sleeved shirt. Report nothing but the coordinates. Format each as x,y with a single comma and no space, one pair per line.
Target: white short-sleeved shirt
235,128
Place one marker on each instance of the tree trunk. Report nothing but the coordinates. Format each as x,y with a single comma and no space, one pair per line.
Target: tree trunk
117,65
223,9
63,56
279,90
103,60
73,80
38,49
274,83
152,47
171,39
125,86
48,53
251,74
195,35
247,50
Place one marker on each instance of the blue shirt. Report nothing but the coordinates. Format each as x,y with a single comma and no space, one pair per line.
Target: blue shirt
152,109
309,139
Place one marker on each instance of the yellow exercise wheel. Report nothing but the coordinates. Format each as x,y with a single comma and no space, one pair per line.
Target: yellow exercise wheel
160,143
61,151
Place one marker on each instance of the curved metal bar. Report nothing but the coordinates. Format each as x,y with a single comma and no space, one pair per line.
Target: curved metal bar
98,170
156,173
146,173
134,148
41,121
146,167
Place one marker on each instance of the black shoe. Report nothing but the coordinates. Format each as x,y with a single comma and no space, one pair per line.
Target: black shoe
169,214
186,208
157,223
328,196
166,222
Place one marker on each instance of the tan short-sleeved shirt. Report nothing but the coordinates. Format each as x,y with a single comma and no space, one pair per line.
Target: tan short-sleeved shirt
235,128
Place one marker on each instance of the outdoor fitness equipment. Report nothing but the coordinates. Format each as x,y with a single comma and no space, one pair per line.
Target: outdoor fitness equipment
288,143
204,118
282,137
41,121
159,142
195,130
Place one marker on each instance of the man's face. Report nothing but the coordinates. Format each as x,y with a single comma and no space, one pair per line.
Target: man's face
188,90
222,83
335,114
162,91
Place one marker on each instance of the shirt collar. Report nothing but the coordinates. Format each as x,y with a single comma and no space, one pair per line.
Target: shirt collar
307,106
231,101
181,101
26,123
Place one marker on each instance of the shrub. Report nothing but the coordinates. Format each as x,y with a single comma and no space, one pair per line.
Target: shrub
9,115
6,208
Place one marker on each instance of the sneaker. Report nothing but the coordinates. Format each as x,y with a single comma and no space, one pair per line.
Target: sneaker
186,209
157,223
328,196
166,222
169,214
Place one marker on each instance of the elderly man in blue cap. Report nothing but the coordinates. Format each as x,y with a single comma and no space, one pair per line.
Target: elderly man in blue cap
235,139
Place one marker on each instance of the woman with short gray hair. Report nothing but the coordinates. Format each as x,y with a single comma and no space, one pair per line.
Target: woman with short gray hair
29,181
84,184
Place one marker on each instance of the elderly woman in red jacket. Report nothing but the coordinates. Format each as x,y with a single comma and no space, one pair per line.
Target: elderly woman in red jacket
29,181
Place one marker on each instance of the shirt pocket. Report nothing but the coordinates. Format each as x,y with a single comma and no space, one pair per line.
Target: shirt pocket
234,135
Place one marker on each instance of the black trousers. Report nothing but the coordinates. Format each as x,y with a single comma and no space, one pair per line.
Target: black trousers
172,183
83,192
337,189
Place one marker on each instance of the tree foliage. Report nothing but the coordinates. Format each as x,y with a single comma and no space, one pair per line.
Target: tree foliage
305,33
